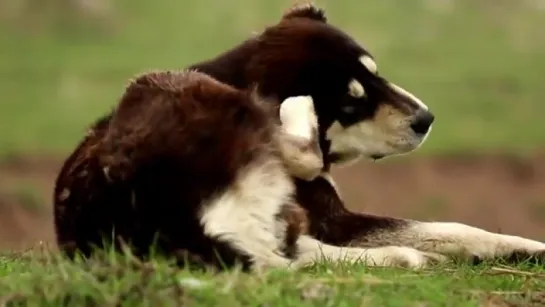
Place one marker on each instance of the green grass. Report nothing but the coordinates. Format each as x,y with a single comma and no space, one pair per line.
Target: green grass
478,64
45,279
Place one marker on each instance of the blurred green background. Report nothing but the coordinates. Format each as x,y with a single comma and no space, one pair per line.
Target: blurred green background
479,64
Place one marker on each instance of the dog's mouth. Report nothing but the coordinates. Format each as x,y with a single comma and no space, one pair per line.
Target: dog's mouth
374,150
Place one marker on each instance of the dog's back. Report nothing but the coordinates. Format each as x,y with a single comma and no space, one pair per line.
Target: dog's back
175,139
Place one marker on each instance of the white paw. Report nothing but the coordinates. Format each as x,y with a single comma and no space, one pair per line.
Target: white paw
406,257
469,243
298,117
301,150
304,162
512,249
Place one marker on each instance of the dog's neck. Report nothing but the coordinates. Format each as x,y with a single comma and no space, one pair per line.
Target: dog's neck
230,66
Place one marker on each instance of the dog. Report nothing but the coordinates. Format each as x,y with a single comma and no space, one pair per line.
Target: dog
360,114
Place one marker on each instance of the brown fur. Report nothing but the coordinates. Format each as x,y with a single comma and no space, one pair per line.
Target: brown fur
297,225
173,141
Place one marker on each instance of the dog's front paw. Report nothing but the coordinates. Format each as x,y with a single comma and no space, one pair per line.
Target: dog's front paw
405,257
411,258
524,256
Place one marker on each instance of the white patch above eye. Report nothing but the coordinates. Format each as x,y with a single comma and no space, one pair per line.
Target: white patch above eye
355,89
369,63
298,116
403,92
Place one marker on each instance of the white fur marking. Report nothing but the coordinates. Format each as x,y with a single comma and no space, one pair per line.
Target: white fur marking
369,63
458,239
405,93
298,116
355,89
245,214
312,250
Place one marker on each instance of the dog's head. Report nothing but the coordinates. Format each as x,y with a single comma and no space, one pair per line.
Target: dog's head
360,112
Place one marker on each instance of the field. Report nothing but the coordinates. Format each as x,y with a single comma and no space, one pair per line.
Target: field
478,64
123,281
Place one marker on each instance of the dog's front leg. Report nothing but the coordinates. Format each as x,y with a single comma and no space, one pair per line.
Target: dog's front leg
311,251
470,243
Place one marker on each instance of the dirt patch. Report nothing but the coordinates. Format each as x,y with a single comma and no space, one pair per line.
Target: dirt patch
26,186
497,192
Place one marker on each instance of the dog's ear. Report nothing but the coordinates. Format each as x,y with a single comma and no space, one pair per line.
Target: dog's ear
305,9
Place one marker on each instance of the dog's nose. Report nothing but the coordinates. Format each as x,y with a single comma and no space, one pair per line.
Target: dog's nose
422,123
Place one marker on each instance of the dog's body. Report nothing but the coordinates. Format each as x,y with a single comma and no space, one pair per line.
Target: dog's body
179,153
203,166
359,114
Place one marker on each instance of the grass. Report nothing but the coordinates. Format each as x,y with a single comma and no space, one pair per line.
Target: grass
477,64
38,278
